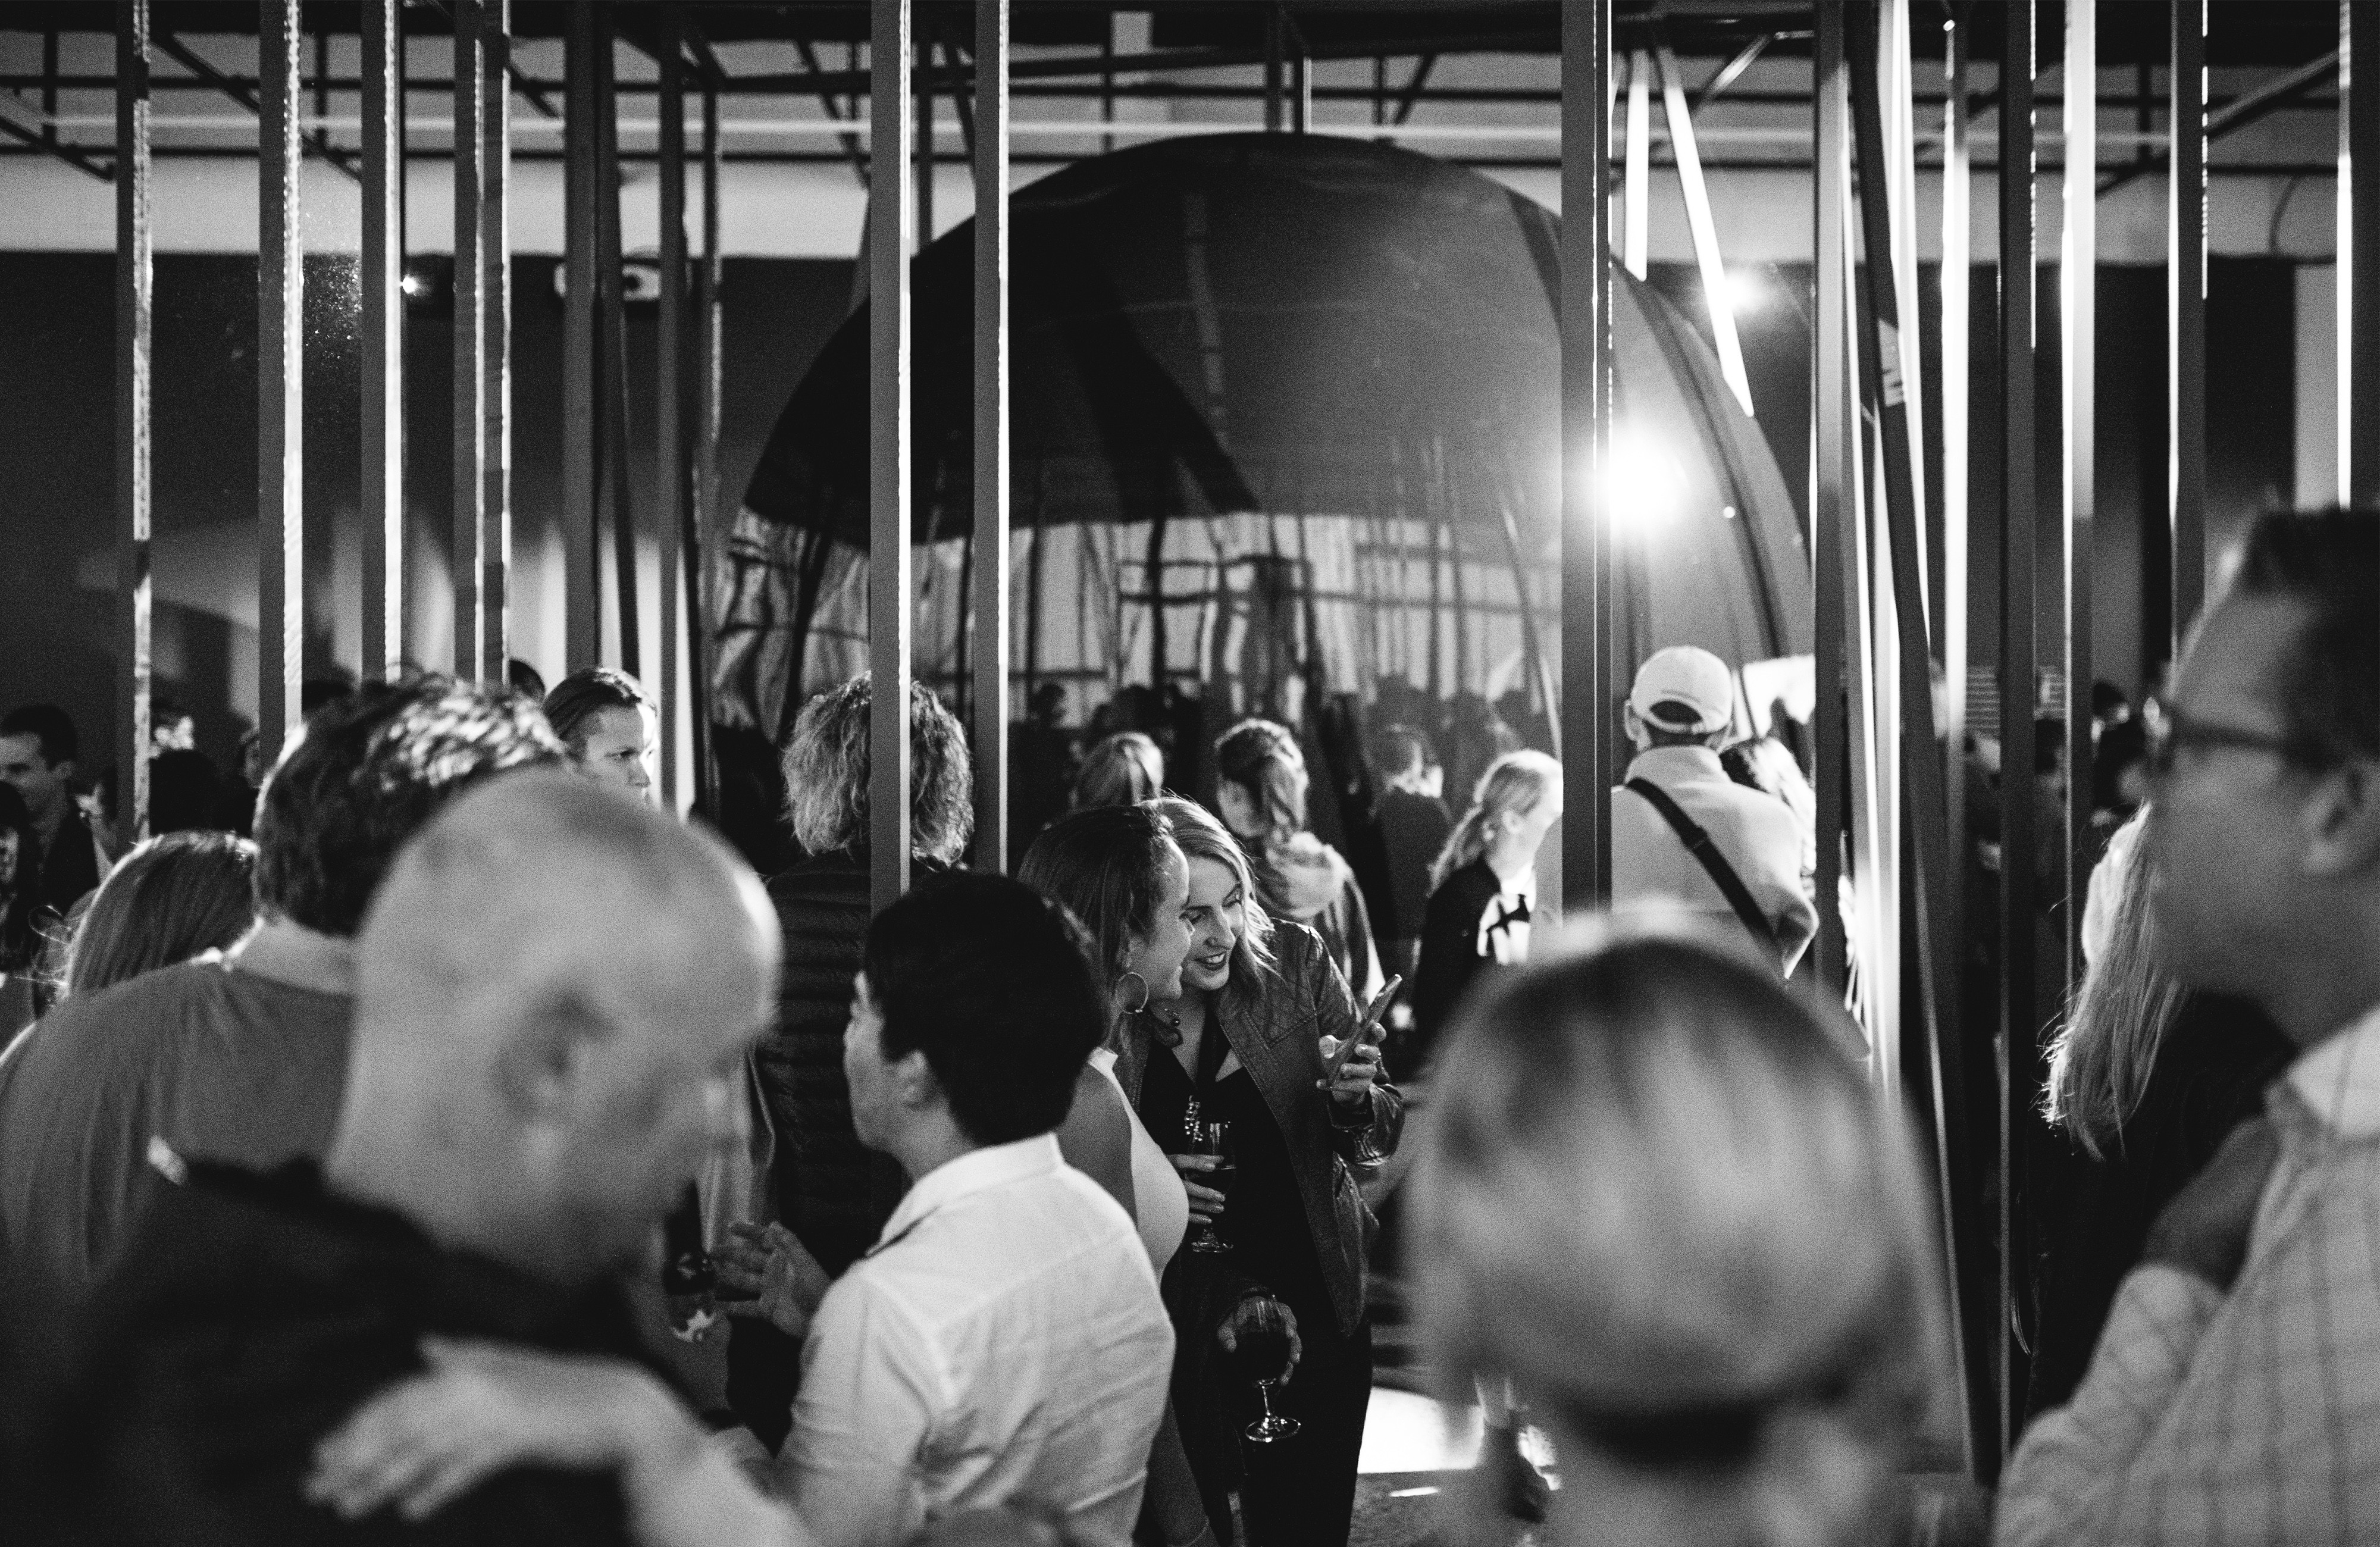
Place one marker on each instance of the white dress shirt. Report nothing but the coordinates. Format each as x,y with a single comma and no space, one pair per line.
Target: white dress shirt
1003,1344
2250,1417
1756,833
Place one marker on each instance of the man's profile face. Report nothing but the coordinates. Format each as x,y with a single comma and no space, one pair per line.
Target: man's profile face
2223,825
865,1069
43,785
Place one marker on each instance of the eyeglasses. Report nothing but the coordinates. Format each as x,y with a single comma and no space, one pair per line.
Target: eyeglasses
2169,731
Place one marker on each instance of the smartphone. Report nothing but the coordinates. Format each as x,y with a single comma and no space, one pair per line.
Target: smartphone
1364,1032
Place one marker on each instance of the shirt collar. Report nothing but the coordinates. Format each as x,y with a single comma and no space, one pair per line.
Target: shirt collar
2337,1080
297,957
1678,762
976,1171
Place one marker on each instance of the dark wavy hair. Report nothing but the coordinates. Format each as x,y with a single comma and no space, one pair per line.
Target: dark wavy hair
168,900
586,692
364,775
989,981
1101,865
826,765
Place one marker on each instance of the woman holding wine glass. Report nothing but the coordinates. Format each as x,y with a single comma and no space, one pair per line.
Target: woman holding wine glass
1249,1045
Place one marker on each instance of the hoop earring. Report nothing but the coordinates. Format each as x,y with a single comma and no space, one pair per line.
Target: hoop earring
1136,977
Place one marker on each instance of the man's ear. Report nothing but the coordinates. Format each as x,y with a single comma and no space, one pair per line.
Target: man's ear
543,1058
913,1082
65,769
2341,820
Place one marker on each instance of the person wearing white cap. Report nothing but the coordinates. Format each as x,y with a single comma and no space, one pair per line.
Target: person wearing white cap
1686,835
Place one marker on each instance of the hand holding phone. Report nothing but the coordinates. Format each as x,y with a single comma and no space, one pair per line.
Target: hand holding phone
1366,1029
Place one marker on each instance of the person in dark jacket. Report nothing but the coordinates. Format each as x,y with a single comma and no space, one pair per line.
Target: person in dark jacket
1484,892
1414,827
548,988
2146,1080
832,1191
1247,1038
38,748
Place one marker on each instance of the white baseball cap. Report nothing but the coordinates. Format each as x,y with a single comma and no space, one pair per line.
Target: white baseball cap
1690,679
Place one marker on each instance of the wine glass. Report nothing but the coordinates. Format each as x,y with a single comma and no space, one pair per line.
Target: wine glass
1263,1353
1211,1138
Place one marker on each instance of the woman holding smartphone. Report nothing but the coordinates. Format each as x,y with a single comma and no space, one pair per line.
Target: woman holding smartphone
1252,1042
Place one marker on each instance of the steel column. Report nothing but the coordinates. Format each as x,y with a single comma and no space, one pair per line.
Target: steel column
1834,471
495,344
380,281
2186,317
1590,693
924,159
891,220
991,541
2359,256
2079,354
582,583
1955,277
671,505
465,560
611,351
280,382
1636,185
703,524
1883,323
2019,1049
134,273
1702,227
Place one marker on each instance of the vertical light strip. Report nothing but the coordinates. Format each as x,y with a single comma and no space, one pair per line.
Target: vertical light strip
892,224
1636,193
1590,706
671,487
280,382
495,344
1704,230
465,560
380,281
582,575
1901,151
1956,363
1833,471
992,647
135,319
2186,317
2079,357
2343,264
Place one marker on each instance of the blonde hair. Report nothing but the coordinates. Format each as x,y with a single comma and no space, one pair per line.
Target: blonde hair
1122,770
1651,1157
826,767
1202,836
2101,1059
1515,782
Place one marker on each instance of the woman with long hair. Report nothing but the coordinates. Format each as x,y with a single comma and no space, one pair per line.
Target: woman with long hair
1120,872
1261,791
1483,895
2146,1079
170,900
1248,1040
1658,1197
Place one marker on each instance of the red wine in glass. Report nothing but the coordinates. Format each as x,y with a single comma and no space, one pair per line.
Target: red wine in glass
1263,1356
1211,1138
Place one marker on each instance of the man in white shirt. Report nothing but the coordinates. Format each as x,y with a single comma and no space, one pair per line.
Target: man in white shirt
2232,1395
1004,1343
1749,867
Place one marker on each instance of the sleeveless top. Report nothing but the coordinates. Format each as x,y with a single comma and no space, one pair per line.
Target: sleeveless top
1159,1205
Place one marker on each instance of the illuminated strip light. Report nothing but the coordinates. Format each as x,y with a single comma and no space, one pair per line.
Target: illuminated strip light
1679,117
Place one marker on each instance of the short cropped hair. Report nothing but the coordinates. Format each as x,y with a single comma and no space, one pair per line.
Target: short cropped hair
1102,865
585,693
1652,1152
48,724
364,775
1400,749
989,981
2328,562
827,766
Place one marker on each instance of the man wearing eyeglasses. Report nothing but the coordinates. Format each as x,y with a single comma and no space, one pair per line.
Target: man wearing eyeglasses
2235,1393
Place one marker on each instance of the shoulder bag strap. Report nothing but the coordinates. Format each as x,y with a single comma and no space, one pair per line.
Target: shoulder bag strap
1698,844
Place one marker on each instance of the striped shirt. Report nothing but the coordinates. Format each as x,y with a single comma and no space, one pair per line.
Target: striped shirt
2250,1417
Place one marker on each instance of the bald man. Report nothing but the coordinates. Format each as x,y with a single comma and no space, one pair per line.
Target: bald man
555,990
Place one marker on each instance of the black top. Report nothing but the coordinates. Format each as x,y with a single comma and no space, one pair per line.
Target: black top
2210,1075
70,869
1413,827
248,1317
1449,959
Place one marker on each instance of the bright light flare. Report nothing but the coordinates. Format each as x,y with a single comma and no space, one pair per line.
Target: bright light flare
1643,483
1747,291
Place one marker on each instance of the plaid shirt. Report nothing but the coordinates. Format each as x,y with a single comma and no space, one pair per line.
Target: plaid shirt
2251,1417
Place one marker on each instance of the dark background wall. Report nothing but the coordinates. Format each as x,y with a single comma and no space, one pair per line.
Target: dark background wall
57,437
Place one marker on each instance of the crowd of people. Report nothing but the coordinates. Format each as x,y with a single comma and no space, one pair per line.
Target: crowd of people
474,1151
